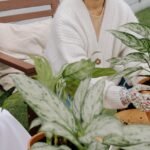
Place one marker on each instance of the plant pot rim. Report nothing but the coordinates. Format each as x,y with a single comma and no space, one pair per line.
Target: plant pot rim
35,138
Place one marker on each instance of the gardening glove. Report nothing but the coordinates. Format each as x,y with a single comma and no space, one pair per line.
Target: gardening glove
139,100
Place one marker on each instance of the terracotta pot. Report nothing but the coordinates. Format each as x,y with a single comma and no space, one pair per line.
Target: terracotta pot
39,136
135,116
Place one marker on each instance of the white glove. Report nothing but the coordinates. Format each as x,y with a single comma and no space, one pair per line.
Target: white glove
139,100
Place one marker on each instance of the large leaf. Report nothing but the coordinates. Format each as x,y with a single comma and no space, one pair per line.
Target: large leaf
138,28
93,104
131,41
44,72
79,98
44,102
44,146
132,135
100,127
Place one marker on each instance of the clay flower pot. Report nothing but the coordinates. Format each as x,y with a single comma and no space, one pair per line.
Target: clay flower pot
37,137
135,116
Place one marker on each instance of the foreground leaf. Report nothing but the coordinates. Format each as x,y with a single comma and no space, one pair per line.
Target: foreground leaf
44,102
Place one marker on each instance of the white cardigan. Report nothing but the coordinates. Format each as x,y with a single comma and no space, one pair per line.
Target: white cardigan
73,38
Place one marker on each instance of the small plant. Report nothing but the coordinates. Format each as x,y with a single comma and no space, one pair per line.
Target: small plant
83,123
138,39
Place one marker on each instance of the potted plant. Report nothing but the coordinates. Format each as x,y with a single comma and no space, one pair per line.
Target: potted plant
82,124
138,39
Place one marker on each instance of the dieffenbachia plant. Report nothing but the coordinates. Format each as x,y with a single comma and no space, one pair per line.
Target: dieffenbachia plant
139,40
68,79
83,123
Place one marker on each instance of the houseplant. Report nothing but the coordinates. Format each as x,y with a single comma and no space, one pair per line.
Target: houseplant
82,122
138,39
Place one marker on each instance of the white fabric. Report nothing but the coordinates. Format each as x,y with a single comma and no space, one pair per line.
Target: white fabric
12,135
74,37
29,38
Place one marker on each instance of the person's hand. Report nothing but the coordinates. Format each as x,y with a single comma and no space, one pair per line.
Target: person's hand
134,95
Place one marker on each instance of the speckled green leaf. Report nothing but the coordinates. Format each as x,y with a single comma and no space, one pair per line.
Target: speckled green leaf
138,28
44,102
145,146
131,41
100,127
93,102
79,98
132,135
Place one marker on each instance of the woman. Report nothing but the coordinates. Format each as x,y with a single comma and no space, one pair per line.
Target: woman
12,135
80,31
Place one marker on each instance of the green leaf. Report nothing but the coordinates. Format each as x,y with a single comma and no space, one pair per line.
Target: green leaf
79,98
139,28
44,72
131,41
98,72
79,70
100,127
93,103
5,95
44,102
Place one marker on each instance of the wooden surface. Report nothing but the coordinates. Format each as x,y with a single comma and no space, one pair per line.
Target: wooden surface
17,64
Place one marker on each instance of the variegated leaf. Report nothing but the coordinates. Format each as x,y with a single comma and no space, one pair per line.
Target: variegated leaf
44,146
57,129
115,139
132,135
135,57
93,103
145,146
44,102
127,72
98,146
131,41
79,98
138,28
137,134
100,127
